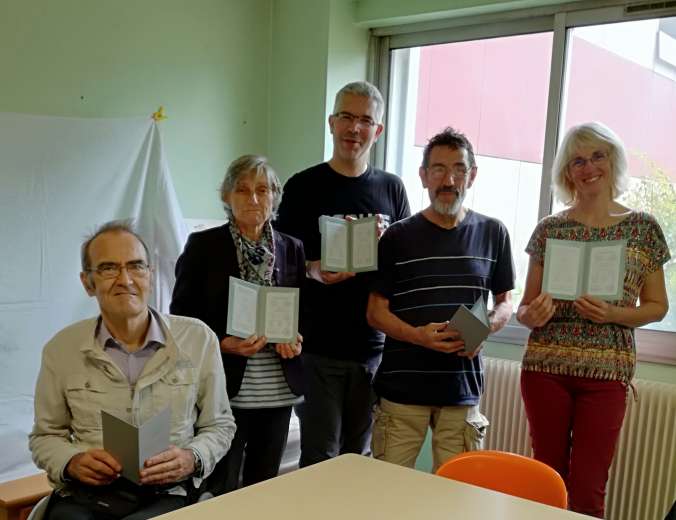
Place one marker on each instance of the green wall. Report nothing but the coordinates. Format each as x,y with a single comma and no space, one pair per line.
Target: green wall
297,84
347,57
234,76
206,61
316,49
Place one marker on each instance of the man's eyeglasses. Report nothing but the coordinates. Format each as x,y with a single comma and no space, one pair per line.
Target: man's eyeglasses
596,159
110,270
349,118
457,171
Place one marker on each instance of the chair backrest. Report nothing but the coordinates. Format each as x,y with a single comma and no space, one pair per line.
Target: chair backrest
39,510
508,473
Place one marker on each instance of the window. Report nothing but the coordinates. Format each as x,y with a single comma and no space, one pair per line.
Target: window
635,97
514,88
494,91
666,45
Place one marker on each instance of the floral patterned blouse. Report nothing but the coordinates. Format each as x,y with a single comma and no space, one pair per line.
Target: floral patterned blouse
571,345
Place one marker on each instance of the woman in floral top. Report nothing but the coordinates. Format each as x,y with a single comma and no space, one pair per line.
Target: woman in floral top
581,354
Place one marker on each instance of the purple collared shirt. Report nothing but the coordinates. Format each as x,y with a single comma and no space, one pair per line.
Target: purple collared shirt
131,363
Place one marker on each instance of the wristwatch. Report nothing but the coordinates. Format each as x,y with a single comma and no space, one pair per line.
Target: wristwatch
199,467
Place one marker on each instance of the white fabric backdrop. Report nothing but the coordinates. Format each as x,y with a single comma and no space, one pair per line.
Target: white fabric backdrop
59,179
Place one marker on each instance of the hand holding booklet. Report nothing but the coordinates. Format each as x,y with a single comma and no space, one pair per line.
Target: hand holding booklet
349,245
575,268
265,311
472,324
133,445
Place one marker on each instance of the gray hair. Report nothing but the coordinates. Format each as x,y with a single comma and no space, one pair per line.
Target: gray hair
454,140
244,165
114,226
364,89
590,134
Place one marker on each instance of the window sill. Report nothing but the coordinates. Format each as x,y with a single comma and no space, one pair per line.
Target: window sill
653,346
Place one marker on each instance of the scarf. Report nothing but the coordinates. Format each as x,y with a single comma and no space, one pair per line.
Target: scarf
256,258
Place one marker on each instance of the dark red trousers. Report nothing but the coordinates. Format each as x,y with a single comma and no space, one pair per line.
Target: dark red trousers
574,425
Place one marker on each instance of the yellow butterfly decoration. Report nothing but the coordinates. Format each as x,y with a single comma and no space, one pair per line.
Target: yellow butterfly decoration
159,115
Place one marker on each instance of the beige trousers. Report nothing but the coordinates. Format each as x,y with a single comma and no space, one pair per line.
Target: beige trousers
399,431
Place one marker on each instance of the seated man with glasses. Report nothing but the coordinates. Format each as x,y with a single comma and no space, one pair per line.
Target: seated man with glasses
132,362
430,264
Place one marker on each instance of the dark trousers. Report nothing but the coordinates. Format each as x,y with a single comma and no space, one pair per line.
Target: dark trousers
256,450
337,415
574,424
64,508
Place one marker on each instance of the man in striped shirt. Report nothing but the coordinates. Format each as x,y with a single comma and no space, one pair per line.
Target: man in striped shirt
429,265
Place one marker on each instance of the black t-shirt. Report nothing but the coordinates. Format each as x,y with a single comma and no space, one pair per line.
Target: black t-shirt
335,315
426,272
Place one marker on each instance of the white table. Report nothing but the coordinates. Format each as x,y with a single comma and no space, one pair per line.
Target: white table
352,487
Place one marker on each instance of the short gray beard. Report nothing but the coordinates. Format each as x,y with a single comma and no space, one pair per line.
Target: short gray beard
449,209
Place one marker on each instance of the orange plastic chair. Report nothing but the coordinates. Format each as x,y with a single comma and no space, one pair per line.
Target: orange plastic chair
508,473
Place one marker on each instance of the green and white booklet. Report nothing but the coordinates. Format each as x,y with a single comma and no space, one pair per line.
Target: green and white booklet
265,311
575,268
349,245
132,445
472,324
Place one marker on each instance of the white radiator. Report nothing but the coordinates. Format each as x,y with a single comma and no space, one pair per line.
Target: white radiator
642,484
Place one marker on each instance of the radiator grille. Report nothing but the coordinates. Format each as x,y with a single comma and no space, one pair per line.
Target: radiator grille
642,483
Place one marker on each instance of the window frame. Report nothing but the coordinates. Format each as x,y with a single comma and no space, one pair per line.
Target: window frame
652,345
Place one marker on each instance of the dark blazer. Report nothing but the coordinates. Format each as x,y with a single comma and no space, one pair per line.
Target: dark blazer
201,290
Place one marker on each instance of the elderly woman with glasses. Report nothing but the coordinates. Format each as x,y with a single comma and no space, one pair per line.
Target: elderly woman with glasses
581,354
263,380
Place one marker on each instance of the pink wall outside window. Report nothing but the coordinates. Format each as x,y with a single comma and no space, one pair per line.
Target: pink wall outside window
480,89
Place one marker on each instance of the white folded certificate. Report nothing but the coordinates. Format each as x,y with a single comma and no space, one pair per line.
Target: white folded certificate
265,311
575,268
472,324
133,445
349,245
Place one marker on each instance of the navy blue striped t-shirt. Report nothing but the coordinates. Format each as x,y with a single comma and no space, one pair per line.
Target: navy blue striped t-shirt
426,272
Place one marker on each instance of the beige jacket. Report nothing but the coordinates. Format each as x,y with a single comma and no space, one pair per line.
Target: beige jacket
78,379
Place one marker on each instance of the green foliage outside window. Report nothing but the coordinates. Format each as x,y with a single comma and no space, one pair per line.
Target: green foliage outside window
654,192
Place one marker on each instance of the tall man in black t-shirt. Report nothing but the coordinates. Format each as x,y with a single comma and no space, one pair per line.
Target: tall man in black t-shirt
429,264
340,350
